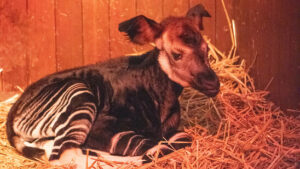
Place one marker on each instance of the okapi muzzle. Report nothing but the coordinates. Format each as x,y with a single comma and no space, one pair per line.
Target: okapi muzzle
207,82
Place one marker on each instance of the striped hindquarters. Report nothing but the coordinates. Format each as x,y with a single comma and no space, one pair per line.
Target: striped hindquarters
64,111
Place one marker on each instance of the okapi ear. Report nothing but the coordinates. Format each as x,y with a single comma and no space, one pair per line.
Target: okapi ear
196,13
140,29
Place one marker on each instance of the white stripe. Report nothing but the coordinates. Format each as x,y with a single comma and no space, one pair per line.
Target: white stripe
116,138
129,142
29,114
29,102
91,112
67,141
156,148
98,95
36,131
33,112
69,119
64,108
65,99
54,108
178,136
138,146
34,120
85,127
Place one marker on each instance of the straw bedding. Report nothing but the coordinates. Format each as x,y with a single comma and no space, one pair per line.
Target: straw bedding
239,128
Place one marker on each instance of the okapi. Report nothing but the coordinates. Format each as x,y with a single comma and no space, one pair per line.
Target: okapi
123,106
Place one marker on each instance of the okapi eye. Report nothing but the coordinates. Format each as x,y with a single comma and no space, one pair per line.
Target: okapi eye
176,56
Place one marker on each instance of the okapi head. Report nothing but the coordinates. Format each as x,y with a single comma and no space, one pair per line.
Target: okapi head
183,52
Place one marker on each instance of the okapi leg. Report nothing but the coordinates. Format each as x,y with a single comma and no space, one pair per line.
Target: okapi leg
72,127
177,141
180,140
128,143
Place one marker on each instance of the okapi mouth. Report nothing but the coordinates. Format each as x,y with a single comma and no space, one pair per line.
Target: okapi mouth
211,93
204,83
209,86
207,92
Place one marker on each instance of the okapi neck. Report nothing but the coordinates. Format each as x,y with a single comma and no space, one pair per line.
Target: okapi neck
153,74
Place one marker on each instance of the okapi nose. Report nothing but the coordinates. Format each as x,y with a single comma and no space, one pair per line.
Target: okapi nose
208,75
208,80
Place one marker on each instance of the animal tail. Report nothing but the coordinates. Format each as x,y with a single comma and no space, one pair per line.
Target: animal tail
16,141
27,151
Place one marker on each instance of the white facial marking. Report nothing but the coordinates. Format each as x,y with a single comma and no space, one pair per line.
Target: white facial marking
166,67
165,63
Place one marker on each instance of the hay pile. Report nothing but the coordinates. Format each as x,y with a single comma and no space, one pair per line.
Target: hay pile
239,128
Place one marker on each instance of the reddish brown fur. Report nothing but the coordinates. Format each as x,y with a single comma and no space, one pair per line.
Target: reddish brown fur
147,32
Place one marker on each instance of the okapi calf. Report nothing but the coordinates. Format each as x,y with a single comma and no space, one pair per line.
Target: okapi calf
123,106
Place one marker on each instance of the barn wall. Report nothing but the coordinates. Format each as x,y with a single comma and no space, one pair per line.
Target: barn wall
269,37
42,38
